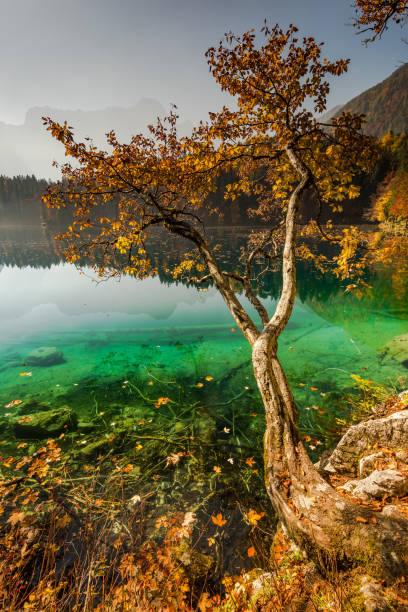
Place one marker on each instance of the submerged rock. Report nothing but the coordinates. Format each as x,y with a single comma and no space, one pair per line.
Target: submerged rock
45,356
397,348
32,405
45,424
206,428
380,483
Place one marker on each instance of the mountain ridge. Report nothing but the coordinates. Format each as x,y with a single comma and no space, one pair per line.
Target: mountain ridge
28,148
385,105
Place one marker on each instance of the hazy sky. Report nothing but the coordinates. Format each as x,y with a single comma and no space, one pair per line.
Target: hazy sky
90,54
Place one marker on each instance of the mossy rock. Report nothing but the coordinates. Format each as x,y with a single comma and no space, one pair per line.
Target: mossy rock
86,426
197,564
45,424
95,448
45,356
32,405
206,428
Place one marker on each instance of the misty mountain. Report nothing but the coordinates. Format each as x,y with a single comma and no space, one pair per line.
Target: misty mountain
385,105
30,149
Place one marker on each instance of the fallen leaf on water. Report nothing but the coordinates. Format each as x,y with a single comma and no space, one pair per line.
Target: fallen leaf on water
200,384
253,516
230,460
162,401
13,403
26,373
139,447
217,469
16,517
251,551
313,388
209,378
250,461
218,520
226,430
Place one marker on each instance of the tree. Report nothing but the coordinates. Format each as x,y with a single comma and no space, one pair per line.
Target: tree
375,15
277,149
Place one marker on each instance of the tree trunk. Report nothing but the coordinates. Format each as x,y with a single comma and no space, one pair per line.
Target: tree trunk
313,512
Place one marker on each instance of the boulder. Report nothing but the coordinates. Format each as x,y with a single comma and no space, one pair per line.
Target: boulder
45,356
369,463
390,431
389,483
47,424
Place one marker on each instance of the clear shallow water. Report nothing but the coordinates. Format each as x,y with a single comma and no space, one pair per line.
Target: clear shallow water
114,329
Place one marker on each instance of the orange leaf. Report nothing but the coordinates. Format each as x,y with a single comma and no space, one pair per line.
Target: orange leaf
361,519
16,517
253,516
250,461
217,469
218,520
251,551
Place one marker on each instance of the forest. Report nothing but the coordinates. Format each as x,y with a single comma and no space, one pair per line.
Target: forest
382,196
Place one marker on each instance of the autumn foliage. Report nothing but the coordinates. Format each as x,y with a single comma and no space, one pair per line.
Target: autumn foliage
375,15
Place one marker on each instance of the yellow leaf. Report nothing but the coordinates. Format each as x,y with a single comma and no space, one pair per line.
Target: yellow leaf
63,521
